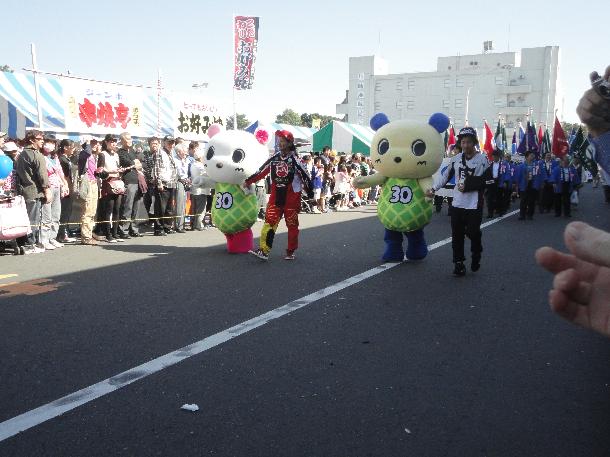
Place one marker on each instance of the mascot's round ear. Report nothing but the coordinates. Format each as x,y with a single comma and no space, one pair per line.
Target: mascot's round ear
262,136
439,121
378,121
213,129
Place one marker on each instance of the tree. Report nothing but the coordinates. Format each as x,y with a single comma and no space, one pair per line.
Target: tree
568,127
306,120
242,122
6,69
288,117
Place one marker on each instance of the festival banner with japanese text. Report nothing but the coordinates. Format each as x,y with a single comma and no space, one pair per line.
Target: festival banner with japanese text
193,115
245,31
100,108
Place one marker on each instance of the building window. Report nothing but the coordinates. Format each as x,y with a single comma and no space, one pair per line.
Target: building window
378,86
459,82
410,104
447,83
360,104
499,80
411,84
399,85
459,103
398,104
361,76
446,104
377,106
499,101
360,85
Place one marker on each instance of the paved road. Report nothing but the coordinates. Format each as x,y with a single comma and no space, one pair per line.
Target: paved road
409,361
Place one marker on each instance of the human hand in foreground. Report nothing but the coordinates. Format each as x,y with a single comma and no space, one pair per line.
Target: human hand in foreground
581,287
594,110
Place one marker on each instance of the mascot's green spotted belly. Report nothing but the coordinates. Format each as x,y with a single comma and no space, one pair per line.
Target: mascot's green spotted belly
232,210
402,206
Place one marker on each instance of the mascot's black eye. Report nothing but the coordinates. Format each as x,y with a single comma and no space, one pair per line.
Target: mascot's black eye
210,153
383,146
238,155
418,147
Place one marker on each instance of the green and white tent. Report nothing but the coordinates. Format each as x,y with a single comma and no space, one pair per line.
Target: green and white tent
344,137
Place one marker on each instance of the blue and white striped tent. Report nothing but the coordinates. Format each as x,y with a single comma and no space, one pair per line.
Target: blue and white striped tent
164,119
18,101
12,121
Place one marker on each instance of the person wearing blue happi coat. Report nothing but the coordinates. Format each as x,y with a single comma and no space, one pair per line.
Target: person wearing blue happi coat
547,192
530,177
565,180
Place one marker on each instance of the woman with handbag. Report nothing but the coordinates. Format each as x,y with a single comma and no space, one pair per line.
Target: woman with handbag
51,209
113,188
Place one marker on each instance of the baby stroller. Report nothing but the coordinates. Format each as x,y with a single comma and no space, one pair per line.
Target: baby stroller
307,204
14,223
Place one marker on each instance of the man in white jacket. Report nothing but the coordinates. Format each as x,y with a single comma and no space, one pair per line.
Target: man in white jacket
468,168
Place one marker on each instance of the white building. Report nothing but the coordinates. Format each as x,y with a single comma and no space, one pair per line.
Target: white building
467,88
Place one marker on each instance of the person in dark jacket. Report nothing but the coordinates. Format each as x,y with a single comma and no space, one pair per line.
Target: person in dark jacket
33,186
494,193
65,151
128,161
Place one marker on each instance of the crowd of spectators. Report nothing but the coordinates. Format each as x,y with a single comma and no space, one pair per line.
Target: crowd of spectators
112,190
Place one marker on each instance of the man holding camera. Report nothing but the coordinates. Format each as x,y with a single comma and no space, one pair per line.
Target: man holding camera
580,292
468,168
594,111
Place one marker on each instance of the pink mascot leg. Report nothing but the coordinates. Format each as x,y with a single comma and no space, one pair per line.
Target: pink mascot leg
241,242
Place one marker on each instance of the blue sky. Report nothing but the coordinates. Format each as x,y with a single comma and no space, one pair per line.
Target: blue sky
304,47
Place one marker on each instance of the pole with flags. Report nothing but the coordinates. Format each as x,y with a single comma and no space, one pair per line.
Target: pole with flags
560,146
451,140
513,146
36,86
489,146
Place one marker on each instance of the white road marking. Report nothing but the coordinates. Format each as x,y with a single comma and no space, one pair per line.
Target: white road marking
35,417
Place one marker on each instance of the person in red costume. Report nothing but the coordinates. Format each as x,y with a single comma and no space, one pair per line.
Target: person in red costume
288,179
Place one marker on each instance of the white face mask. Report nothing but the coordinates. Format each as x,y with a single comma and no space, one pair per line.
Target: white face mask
48,147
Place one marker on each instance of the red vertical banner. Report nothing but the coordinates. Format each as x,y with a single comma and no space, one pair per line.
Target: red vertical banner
245,31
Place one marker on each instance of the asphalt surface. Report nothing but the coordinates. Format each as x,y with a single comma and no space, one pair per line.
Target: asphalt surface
410,362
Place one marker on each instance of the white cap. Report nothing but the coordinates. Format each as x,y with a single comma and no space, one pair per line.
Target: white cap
10,147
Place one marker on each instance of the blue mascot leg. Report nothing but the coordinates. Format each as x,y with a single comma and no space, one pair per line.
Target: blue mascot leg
393,246
417,248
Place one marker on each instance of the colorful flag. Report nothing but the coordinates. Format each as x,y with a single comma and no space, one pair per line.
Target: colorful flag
577,141
546,140
560,146
245,32
540,134
498,136
450,140
521,136
489,145
572,135
529,142
585,154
